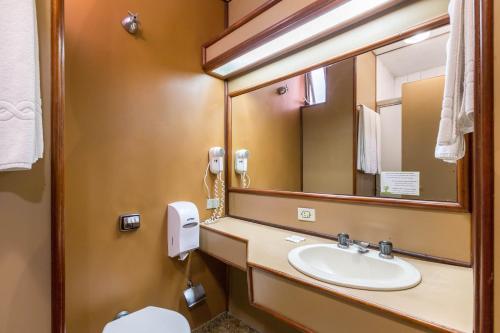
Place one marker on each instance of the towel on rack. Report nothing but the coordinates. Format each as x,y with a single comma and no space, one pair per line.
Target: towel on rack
369,141
457,115
21,132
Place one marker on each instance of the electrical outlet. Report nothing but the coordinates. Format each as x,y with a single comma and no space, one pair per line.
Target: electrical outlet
306,214
212,203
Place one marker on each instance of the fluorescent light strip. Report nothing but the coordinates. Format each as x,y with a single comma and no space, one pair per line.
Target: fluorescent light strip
330,19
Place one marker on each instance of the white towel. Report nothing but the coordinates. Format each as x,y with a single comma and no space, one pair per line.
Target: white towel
369,141
457,115
21,132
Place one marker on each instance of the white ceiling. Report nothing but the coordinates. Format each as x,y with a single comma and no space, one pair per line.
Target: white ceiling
403,59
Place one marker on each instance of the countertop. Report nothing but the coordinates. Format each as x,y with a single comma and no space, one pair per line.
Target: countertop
443,298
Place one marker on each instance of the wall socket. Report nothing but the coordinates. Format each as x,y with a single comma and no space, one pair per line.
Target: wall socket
306,214
212,203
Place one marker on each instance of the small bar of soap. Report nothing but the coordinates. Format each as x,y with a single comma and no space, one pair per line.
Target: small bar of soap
295,239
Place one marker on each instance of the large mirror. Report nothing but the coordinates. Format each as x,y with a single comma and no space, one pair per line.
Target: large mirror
365,126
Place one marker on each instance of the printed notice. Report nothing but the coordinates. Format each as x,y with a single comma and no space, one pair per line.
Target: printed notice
407,183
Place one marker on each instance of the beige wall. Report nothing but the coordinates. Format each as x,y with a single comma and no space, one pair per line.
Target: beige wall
25,223
438,180
240,8
268,125
437,233
140,118
496,33
328,135
276,13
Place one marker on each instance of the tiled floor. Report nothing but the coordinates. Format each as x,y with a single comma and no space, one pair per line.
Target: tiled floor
225,323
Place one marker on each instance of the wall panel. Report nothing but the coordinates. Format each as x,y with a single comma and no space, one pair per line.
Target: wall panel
140,118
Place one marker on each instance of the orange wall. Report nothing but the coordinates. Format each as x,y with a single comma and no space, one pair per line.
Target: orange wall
140,118
25,223
268,125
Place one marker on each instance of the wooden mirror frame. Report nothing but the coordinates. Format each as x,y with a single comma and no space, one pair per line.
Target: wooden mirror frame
482,176
463,166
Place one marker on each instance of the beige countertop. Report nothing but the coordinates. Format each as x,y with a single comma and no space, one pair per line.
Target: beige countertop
444,297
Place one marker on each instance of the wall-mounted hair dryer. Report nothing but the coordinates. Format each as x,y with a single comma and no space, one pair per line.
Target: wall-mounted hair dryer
241,166
216,167
241,161
216,157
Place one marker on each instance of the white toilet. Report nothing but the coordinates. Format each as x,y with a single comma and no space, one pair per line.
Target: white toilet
149,320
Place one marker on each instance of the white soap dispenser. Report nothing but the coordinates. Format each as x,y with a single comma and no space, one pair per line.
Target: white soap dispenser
183,234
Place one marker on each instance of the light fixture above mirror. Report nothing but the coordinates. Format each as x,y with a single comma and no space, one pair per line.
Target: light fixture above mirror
314,25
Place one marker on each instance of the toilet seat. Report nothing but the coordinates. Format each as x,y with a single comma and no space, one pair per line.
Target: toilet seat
149,320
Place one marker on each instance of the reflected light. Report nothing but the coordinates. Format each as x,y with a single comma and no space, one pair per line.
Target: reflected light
418,38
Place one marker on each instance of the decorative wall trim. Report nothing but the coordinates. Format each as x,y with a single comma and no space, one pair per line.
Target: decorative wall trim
57,166
483,151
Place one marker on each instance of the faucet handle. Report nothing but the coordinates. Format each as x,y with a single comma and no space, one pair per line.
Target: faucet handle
385,249
343,240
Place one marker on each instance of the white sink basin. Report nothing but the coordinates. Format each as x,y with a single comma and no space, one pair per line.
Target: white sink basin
348,268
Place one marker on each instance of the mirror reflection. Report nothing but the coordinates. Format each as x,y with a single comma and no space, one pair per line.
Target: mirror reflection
364,126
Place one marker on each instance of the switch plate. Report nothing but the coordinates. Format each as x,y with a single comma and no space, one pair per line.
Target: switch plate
306,214
212,203
129,222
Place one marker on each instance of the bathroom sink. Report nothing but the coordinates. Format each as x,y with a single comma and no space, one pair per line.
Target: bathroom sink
348,268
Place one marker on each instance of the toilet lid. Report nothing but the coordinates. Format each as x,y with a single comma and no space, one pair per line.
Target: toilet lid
149,320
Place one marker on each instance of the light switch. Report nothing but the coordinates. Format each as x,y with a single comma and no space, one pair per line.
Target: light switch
129,222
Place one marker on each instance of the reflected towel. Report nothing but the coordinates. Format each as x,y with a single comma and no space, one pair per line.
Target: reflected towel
21,137
369,141
457,115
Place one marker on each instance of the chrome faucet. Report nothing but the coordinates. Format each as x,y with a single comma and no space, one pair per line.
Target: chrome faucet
344,242
361,246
